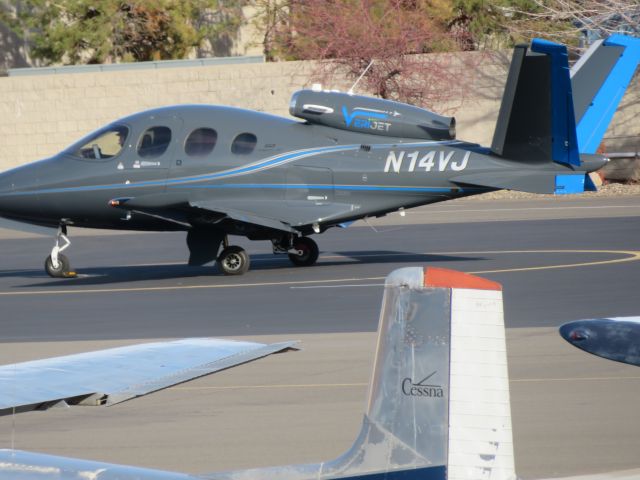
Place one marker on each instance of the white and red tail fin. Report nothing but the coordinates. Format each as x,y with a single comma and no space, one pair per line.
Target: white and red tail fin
439,397
440,382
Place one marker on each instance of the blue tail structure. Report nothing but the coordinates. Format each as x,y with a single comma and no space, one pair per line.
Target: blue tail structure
599,82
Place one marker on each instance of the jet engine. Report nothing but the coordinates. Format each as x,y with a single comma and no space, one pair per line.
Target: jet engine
376,116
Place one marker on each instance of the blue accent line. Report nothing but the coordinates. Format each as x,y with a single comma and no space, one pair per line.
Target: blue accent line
259,165
564,146
187,181
372,188
595,121
378,188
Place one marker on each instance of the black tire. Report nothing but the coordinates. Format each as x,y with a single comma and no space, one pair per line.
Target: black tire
309,250
64,266
233,261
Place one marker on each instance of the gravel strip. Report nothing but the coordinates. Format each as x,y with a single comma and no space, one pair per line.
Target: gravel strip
609,190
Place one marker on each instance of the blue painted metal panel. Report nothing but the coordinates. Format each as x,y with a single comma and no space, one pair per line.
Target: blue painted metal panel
563,124
596,119
571,183
425,473
589,186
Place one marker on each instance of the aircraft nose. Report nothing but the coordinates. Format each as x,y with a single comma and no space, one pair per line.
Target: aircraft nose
16,186
6,190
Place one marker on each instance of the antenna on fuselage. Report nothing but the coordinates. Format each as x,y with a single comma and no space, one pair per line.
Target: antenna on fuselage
350,92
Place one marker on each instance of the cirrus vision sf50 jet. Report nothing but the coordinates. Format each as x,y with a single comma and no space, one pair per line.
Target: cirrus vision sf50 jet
217,171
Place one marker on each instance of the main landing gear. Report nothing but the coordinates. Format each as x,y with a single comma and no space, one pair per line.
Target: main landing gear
204,244
233,260
302,251
57,265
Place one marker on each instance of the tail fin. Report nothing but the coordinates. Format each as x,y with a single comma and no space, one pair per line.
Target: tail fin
599,80
543,100
439,397
536,122
440,383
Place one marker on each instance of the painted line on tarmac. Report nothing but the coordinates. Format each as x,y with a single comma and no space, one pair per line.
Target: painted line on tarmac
277,258
633,256
352,285
563,208
360,385
178,287
571,379
301,385
629,256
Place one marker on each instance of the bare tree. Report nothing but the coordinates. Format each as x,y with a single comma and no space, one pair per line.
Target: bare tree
347,35
578,22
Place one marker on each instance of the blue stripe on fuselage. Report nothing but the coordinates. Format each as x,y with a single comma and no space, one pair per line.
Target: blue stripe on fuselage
394,188
233,172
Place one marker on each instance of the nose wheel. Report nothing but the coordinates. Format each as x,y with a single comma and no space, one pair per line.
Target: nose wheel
57,265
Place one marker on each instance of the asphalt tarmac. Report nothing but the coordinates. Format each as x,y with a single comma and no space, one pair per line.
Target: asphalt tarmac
558,261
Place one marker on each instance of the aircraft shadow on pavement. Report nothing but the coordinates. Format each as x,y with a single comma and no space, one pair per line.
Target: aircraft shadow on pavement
260,263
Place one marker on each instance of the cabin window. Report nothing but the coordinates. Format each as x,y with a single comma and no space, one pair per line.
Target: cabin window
104,144
154,142
200,142
244,144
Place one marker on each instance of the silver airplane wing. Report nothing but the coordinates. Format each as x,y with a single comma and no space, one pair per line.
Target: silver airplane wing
111,376
19,465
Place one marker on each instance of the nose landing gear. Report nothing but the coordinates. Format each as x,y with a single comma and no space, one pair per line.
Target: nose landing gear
57,265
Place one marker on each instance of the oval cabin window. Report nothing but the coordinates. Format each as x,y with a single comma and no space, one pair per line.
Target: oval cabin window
200,142
244,144
154,142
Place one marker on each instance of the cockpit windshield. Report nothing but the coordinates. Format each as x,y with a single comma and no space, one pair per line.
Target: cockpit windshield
104,144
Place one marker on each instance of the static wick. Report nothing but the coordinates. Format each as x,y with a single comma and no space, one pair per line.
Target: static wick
360,77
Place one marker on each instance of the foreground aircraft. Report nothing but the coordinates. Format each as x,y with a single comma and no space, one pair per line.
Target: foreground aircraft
217,171
438,403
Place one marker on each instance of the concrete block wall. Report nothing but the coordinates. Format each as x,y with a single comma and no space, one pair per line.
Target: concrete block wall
40,115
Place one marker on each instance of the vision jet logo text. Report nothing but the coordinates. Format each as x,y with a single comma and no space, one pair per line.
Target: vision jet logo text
366,118
421,388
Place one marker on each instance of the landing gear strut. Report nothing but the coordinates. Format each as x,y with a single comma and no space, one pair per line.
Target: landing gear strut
233,260
302,251
57,265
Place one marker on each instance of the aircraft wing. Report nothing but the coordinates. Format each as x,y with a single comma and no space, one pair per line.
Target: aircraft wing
111,376
20,465
278,215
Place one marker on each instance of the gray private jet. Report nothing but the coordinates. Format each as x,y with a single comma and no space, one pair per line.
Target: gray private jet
216,171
